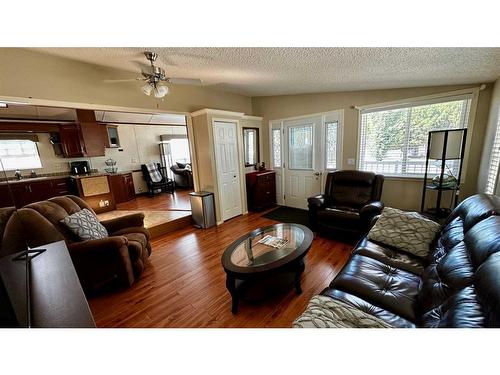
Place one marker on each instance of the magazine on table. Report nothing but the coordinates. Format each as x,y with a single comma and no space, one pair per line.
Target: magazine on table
273,241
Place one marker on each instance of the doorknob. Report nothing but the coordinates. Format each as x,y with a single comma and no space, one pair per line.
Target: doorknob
317,174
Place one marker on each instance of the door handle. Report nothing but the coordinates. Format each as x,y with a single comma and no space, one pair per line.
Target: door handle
317,174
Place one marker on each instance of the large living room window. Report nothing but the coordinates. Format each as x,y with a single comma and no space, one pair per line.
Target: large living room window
393,139
494,164
19,154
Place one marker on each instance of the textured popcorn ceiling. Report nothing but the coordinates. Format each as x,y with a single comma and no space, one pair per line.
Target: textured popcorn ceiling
278,71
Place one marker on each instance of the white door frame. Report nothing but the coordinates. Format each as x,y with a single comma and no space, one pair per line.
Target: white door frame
238,163
340,141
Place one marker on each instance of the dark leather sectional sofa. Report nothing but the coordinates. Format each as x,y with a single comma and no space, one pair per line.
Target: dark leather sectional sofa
457,286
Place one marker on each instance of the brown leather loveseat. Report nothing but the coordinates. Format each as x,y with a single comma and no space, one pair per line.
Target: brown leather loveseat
114,261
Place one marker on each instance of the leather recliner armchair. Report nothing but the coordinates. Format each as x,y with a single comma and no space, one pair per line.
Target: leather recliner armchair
350,202
183,177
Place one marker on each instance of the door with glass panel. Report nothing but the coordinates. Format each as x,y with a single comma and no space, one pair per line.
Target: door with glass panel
304,150
302,164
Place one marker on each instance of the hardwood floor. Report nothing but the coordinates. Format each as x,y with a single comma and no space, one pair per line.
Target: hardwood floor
184,286
164,201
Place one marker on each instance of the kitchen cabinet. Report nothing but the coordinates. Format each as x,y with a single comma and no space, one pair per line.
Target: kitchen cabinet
110,135
84,138
122,187
26,192
93,140
5,196
261,190
71,139
61,186
95,189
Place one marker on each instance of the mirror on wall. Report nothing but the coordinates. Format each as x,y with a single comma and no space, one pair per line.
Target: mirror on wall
251,146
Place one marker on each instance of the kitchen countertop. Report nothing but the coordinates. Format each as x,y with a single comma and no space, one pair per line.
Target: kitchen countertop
56,177
98,174
29,179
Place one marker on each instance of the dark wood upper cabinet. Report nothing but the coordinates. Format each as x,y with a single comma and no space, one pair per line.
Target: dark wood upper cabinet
84,138
110,135
71,140
91,133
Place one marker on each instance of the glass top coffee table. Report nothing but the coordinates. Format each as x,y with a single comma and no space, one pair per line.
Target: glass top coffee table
249,258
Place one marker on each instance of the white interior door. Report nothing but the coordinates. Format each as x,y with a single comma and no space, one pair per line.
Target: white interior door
303,163
227,166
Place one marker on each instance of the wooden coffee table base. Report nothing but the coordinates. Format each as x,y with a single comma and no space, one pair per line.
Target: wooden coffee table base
234,289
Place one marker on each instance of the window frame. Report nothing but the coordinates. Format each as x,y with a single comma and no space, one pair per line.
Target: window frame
273,161
467,94
4,169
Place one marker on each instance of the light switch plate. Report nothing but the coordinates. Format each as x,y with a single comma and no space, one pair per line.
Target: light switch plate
351,161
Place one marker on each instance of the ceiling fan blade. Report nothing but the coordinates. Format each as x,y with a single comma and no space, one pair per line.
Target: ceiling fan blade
185,81
123,80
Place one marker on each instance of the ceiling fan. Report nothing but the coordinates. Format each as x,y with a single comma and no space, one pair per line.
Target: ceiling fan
155,76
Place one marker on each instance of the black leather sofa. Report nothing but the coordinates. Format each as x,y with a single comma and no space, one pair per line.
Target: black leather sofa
457,286
350,202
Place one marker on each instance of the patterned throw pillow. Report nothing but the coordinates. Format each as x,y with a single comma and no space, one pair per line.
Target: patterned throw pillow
85,225
408,231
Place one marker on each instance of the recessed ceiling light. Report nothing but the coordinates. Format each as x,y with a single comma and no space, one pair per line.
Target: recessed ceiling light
4,105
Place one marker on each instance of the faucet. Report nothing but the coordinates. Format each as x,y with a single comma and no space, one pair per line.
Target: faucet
18,174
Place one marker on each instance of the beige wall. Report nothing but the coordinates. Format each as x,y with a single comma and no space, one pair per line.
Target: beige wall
400,193
29,74
493,120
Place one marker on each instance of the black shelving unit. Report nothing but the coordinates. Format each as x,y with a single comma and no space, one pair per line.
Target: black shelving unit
438,211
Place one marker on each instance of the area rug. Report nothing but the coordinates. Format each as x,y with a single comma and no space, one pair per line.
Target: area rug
289,215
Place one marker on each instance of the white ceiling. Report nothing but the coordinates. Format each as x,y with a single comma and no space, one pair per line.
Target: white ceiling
279,71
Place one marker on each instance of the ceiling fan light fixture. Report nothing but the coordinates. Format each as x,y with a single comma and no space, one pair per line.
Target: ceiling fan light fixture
147,89
160,91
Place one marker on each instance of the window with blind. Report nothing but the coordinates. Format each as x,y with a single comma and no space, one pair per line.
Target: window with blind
494,164
393,140
19,154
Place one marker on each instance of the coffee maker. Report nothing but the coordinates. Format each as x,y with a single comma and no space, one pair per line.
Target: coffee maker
79,167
